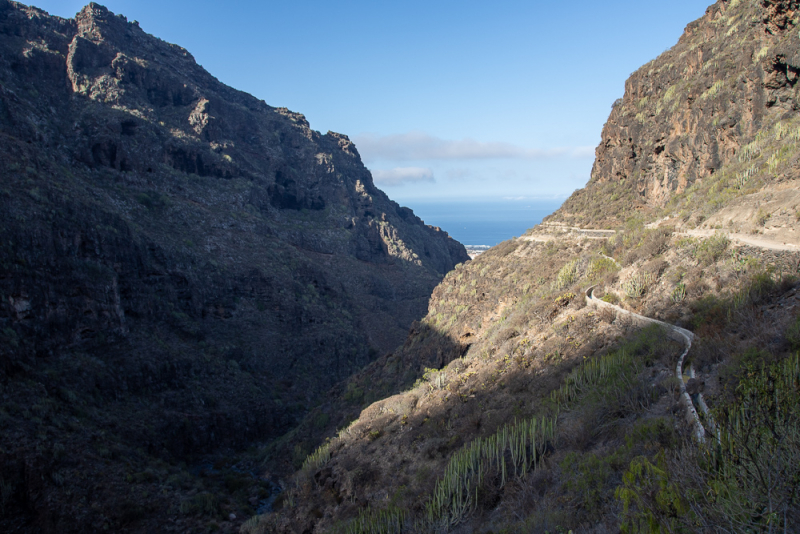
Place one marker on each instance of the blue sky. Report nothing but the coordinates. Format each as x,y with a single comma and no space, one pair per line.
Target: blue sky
444,99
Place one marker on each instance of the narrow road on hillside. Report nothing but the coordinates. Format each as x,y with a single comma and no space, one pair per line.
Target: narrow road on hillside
678,334
754,240
588,233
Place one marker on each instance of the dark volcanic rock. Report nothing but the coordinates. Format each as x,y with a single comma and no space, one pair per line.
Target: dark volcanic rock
183,269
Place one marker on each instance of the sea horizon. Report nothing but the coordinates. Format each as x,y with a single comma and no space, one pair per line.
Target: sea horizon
476,223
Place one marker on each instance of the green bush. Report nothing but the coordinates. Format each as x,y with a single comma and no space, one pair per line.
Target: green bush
710,250
611,298
153,200
651,501
599,266
353,394
756,470
321,420
588,476
746,480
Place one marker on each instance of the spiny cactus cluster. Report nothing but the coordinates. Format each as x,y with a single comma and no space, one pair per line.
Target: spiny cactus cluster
567,276
679,293
391,521
512,451
588,374
743,177
637,285
317,459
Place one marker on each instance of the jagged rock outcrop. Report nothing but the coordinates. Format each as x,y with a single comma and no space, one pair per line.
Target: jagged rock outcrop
183,268
687,115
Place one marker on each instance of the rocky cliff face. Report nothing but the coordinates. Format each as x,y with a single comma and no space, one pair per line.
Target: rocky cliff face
687,117
183,268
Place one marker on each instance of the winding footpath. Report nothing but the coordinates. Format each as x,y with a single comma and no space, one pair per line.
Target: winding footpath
677,333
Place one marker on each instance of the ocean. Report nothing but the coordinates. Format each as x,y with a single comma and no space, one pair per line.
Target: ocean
487,223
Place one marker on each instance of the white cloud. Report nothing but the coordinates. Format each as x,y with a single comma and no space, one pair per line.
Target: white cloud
583,152
421,146
402,175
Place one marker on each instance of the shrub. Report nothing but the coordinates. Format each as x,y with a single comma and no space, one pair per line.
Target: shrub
751,475
353,394
655,241
589,475
600,266
650,498
153,200
564,299
762,217
611,298
710,250
320,420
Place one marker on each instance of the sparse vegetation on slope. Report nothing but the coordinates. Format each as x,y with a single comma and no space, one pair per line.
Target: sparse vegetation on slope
511,453
705,139
523,344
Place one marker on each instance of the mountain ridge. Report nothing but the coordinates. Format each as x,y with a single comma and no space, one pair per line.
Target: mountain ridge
183,271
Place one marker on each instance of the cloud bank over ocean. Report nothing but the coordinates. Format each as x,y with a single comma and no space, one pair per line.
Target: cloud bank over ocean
402,175
418,145
408,163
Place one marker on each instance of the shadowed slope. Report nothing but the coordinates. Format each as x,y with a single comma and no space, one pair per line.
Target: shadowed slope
184,270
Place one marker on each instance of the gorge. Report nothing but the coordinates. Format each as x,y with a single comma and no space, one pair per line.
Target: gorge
211,319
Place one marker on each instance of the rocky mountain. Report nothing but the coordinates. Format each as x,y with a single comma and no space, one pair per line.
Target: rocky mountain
629,365
184,271
707,131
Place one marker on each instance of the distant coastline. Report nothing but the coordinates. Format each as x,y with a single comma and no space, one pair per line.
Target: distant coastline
476,250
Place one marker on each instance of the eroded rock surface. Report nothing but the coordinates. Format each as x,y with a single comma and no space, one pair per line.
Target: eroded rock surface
688,117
